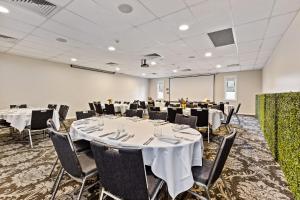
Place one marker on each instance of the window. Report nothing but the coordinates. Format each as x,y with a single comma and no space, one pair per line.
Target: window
160,89
230,88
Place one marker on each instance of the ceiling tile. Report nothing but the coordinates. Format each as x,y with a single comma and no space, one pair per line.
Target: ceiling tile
278,25
60,2
245,33
269,44
245,11
249,47
285,6
165,7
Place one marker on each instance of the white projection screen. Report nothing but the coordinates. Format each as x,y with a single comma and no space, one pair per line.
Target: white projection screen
195,88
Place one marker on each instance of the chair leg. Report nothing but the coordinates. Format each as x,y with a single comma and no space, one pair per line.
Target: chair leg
207,193
81,189
56,183
227,128
238,119
226,188
208,130
30,139
197,195
53,167
101,194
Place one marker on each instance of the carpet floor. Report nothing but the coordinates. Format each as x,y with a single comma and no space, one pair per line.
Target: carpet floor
250,171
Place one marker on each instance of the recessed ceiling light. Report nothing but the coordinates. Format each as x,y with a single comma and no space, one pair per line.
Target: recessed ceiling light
118,69
125,8
143,74
218,66
4,10
111,48
61,40
208,54
184,27
73,59
153,63
175,70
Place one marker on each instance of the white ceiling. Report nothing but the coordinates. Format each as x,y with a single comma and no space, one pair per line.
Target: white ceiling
90,26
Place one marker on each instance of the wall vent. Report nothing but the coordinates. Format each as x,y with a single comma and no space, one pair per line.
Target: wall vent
152,56
186,70
91,69
222,37
112,64
41,7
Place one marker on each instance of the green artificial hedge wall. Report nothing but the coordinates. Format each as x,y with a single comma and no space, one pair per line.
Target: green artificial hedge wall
279,117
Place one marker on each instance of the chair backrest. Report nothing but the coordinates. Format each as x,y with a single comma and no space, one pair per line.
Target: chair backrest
203,105
66,153
229,116
23,106
187,120
154,108
85,114
143,104
63,112
13,106
238,108
153,115
133,113
221,106
52,106
98,108
139,113
110,109
92,107
221,157
133,106
129,113
202,116
167,103
39,119
51,124
121,171
172,113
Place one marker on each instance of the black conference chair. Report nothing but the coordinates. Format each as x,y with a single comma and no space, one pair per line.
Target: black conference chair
221,106
126,102
203,105
80,145
226,123
154,109
202,120
98,108
154,115
143,105
38,122
23,106
13,106
92,107
133,106
167,103
134,113
210,171
236,113
186,120
110,109
52,106
63,112
80,166
85,114
123,174
172,113
151,104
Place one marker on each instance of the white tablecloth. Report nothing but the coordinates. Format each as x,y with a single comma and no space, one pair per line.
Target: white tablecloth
215,116
170,162
227,108
20,118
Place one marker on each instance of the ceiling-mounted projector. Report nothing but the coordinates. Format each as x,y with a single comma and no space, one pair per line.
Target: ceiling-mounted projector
144,63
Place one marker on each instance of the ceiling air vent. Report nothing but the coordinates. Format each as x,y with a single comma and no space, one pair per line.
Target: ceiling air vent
92,69
7,38
186,70
152,56
222,37
112,64
233,65
41,7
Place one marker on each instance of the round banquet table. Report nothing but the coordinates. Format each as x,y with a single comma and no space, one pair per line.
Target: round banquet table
215,116
21,117
119,108
170,162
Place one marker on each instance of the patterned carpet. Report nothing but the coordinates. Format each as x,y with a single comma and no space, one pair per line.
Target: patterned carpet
250,171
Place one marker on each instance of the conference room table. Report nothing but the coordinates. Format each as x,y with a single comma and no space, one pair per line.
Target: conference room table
171,152
215,117
19,118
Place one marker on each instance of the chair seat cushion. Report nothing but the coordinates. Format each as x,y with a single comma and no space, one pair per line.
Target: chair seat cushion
201,174
153,184
87,162
82,145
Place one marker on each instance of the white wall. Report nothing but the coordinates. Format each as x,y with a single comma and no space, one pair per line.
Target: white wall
249,84
38,82
282,73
